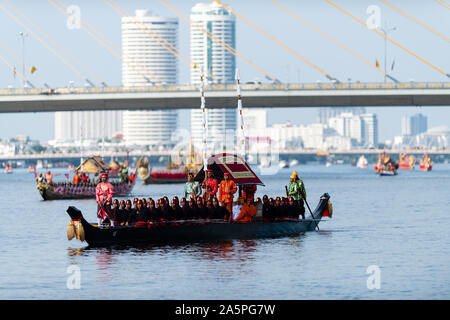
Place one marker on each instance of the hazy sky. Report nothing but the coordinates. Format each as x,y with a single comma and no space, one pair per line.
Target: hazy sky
261,50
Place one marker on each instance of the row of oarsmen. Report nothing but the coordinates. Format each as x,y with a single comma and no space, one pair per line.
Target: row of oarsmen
126,212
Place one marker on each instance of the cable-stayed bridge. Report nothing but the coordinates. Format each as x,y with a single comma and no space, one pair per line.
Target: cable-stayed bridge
224,96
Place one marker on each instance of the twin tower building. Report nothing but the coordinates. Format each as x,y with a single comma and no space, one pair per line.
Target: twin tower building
147,42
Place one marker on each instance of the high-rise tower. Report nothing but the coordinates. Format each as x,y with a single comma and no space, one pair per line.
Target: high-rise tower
147,62
214,59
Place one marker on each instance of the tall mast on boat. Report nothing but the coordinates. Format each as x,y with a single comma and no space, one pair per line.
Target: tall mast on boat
241,135
81,147
103,140
204,129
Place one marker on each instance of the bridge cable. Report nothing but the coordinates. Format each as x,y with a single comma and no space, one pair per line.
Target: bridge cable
281,44
19,61
443,3
154,35
333,40
391,40
16,71
111,50
410,17
54,42
219,41
12,16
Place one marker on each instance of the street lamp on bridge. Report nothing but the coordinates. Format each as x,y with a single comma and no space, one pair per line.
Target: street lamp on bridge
385,32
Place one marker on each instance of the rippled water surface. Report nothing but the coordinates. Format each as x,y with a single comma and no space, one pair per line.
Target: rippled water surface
400,224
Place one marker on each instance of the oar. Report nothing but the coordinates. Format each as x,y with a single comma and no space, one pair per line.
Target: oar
304,198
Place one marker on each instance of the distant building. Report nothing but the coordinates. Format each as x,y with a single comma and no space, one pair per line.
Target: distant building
254,118
146,62
413,125
324,114
436,138
86,125
214,59
289,136
362,129
369,129
209,54
7,149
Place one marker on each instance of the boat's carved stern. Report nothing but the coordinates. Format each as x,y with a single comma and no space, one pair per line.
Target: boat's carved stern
75,227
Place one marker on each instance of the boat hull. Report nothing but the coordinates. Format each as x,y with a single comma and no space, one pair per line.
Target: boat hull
182,178
405,166
387,173
383,172
201,230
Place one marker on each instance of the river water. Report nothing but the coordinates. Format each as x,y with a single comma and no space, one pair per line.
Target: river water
389,238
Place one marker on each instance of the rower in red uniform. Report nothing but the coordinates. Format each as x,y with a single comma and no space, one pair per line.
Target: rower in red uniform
210,185
226,192
248,192
103,193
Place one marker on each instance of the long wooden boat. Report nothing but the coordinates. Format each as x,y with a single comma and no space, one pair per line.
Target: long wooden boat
193,230
164,177
382,171
48,192
93,164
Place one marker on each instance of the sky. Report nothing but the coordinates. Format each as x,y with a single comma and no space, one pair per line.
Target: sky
254,45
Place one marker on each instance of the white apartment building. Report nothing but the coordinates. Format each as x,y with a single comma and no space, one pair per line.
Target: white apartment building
254,118
207,53
213,58
289,136
363,128
146,44
86,125
370,129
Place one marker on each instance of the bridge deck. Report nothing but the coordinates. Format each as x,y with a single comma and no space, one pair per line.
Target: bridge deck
224,96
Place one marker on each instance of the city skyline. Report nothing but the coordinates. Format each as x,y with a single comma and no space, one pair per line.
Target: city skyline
254,45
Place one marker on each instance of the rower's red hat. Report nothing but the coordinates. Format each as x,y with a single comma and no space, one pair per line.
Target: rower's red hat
209,170
226,174
103,175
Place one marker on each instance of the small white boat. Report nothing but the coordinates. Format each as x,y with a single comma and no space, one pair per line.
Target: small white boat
328,164
293,163
362,162
283,164
264,163
39,165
